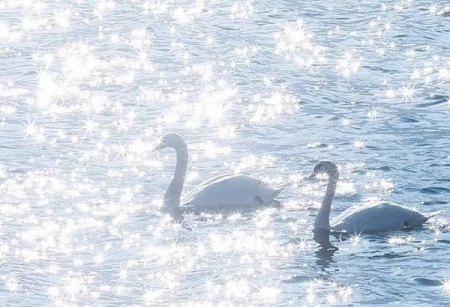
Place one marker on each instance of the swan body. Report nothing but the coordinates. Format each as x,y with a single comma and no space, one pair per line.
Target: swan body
220,194
365,217
376,216
230,192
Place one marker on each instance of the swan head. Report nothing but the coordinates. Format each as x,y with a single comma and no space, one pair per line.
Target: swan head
173,140
324,167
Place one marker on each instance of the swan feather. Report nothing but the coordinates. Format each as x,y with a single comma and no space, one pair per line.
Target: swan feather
368,216
377,216
229,191
223,193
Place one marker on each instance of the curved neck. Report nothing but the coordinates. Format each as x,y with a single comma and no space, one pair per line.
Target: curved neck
173,193
323,217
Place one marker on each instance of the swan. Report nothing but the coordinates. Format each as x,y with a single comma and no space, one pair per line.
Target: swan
220,194
365,217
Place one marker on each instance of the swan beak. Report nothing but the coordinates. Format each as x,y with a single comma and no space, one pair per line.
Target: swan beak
312,176
159,147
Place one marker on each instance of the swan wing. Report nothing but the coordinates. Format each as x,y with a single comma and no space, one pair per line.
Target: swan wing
229,191
376,216
201,186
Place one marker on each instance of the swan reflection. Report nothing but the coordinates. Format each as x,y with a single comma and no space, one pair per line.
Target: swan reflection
326,250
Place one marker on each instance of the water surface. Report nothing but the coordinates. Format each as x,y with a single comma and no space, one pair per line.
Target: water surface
265,87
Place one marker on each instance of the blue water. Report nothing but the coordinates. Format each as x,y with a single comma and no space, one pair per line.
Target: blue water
87,88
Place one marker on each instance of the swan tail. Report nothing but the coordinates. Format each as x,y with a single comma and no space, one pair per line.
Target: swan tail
280,187
273,203
276,203
432,214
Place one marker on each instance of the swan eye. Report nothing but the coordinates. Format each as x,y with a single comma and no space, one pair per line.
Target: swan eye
318,169
322,175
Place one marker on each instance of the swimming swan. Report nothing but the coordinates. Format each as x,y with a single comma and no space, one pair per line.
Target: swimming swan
364,217
225,192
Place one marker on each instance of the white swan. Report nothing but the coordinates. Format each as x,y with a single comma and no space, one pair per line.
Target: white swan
364,217
220,194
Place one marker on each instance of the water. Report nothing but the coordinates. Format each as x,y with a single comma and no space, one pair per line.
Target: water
266,87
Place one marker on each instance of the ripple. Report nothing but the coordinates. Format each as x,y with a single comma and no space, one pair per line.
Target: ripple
257,86
436,102
428,282
435,190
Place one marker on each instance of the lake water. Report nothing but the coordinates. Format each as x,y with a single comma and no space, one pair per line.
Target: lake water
264,87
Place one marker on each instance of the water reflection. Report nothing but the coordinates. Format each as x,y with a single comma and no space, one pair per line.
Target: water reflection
326,250
263,87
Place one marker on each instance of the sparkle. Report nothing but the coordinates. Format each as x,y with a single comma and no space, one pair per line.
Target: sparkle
348,64
358,144
235,217
90,125
410,54
355,239
12,284
53,292
372,113
331,299
408,93
433,9
151,296
268,293
444,73
31,129
74,286
345,293
446,286
209,40
415,74
237,288
399,240
62,17
123,273
98,259
390,93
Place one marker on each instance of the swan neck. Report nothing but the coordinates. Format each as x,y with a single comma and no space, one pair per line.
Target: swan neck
173,194
323,217
182,163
